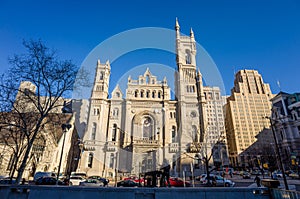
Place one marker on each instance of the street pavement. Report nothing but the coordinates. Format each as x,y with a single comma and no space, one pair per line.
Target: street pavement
294,184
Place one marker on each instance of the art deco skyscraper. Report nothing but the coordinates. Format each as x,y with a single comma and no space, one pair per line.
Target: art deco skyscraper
245,110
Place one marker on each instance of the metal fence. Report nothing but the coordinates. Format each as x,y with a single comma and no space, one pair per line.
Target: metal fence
280,193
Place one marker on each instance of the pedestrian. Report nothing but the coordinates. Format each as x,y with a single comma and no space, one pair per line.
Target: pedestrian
274,175
257,180
23,181
230,173
214,181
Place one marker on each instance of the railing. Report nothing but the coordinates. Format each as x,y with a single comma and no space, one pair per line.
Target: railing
146,141
194,147
111,146
280,193
70,192
173,147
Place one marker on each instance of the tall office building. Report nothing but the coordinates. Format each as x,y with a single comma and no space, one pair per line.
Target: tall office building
246,108
215,125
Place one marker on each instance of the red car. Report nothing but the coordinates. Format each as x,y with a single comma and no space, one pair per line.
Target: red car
177,182
135,179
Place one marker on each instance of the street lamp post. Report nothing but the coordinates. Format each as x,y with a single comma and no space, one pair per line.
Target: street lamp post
116,169
81,146
278,154
65,128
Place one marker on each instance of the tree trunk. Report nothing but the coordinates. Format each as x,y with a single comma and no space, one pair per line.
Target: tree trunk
28,149
24,162
207,171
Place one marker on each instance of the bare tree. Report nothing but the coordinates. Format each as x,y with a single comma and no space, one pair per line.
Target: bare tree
49,79
205,149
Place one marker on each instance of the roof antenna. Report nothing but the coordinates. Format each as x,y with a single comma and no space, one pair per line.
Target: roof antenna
278,84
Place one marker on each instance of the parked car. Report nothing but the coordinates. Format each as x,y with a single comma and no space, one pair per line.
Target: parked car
246,175
48,181
242,172
91,183
278,174
104,180
256,172
81,174
294,175
204,180
219,181
135,179
40,174
75,180
198,178
127,183
7,180
177,182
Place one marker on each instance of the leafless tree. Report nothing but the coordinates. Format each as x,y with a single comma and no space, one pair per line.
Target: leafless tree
205,149
50,78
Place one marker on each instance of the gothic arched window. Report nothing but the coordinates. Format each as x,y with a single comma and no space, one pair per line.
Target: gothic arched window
115,112
94,128
153,94
188,57
142,93
148,128
159,94
111,160
114,133
90,160
194,134
173,134
101,75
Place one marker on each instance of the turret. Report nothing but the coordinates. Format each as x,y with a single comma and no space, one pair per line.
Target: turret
192,34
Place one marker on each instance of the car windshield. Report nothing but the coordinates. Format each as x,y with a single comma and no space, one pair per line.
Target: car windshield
76,178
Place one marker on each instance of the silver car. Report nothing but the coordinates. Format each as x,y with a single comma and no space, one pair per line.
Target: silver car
92,183
219,181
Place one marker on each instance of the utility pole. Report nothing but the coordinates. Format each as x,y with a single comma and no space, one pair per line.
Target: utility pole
278,154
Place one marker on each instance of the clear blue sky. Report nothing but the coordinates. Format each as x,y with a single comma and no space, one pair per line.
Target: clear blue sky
252,34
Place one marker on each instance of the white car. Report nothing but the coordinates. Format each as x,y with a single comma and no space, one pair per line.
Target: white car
75,180
203,179
219,181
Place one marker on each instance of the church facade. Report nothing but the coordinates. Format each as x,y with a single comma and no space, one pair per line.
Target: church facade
144,129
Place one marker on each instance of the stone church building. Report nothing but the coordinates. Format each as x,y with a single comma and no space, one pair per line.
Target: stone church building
144,129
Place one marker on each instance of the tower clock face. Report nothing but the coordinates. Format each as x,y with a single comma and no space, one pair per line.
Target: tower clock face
193,114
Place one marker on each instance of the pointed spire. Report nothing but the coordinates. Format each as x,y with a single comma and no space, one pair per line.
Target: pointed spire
165,80
192,33
98,62
147,72
177,27
129,79
199,73
107,64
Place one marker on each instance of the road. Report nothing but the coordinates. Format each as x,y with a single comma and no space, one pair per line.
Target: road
240,182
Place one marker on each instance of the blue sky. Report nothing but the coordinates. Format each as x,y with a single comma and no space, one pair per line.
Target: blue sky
249,34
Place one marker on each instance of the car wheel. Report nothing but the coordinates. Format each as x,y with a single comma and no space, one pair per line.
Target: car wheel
227,185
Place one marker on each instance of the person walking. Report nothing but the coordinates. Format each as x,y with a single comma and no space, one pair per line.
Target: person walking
257,180
230,173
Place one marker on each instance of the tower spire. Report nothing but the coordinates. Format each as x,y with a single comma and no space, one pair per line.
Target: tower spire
192,33
177,27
